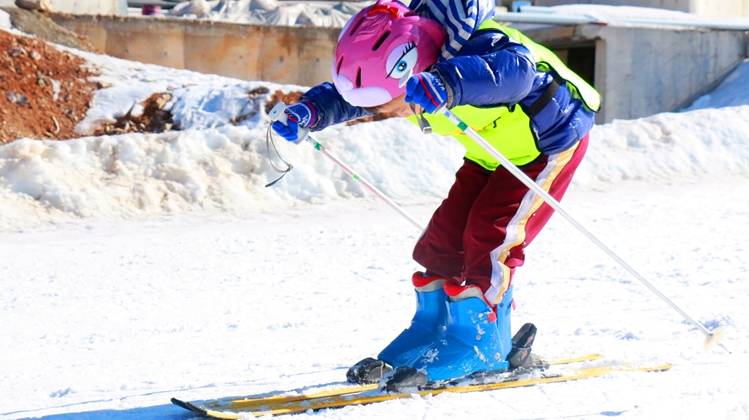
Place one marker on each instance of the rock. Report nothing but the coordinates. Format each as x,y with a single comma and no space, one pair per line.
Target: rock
16,52
159,100
258,91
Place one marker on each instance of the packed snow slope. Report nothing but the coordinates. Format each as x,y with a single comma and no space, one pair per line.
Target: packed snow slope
733,91
144,266
270,12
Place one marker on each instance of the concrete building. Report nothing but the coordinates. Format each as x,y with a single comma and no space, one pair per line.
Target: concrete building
705,8
642,71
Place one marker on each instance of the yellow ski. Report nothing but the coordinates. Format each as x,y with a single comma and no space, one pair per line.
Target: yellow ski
362,399
288,405
270,401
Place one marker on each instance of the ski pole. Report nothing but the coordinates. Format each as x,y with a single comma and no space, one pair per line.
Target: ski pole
711,337
277,114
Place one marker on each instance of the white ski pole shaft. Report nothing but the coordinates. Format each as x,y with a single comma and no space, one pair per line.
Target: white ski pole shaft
710,336
278,114
356,177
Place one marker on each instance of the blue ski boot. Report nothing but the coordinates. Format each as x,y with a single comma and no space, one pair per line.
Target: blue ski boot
477,339
427,326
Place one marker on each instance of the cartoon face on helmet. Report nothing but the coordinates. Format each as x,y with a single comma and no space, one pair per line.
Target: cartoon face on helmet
379,48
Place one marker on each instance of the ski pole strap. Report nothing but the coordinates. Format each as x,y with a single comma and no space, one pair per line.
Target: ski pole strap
424,125
271,144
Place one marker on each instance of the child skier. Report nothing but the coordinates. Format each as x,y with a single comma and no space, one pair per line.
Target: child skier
524,101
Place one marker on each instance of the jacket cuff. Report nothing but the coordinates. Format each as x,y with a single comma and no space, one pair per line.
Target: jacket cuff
315,112
448,88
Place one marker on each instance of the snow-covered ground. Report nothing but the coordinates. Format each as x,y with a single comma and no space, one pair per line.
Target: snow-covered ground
139,267
270,12
730,92
122,316
607,13
336,13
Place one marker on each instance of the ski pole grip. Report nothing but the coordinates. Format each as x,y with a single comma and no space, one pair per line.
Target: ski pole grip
278,114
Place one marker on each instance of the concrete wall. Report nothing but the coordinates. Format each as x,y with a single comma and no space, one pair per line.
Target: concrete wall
641,72
300,55
707,8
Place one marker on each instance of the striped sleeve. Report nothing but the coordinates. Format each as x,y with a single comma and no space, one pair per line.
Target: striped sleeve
459,17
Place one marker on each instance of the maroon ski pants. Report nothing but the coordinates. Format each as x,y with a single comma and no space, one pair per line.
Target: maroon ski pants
479,232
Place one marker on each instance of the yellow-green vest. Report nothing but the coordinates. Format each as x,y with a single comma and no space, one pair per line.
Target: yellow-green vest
509,130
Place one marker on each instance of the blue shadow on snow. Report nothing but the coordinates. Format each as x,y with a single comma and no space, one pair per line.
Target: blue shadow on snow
167,411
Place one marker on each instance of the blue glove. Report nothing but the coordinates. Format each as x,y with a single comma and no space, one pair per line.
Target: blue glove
302,114
426,90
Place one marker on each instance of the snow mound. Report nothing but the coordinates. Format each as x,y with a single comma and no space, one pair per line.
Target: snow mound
213,170
271,12
606,13
225,169
668,146
733,91
219,162
198,100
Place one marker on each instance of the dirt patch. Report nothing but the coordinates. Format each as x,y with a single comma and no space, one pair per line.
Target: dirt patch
285,97
44,92
154,115
251,112
149,117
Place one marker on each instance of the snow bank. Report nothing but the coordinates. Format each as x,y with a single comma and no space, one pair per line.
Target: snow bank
634,16
219,162
607,13
199,100
270,12
225,169
733,91
668,146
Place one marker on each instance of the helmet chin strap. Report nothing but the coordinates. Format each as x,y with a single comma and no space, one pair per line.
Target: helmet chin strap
270,143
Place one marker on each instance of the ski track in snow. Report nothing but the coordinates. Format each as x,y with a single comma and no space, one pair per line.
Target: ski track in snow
124,315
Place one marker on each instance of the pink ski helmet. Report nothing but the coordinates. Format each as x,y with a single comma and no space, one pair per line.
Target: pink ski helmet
379,48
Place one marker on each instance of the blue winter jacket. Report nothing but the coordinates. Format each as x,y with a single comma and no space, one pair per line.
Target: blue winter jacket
490,70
